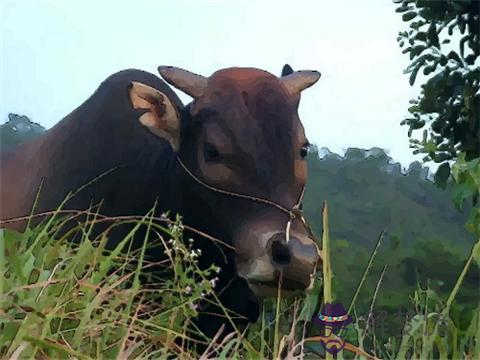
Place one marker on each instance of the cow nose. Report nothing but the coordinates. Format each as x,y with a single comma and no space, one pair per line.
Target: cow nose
280,252
294,253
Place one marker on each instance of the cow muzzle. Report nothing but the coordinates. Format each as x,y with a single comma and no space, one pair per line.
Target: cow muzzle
294,259
289,264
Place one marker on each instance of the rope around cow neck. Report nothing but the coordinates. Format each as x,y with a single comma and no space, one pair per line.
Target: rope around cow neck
294,213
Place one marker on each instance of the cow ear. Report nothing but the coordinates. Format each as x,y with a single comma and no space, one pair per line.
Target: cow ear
161,117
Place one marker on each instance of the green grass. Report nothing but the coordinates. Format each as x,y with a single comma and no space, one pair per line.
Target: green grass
65,300
61,299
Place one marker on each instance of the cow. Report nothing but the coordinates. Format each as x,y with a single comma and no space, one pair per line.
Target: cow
231,162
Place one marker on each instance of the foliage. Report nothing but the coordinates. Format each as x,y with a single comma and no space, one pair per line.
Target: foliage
367,193
443,40
17,129
466,180
424,239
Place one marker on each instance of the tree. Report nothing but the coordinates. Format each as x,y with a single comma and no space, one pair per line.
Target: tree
443,42
17,129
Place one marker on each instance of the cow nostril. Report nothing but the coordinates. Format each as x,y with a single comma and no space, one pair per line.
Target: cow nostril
280,253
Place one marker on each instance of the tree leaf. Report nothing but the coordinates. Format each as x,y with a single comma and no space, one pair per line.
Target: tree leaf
433,36
454,56
470,59
409,15
461,24
414,73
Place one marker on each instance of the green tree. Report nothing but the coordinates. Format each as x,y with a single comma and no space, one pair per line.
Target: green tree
17,129
443,42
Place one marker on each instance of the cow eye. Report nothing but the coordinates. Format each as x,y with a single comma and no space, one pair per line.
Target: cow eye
304,150
210,152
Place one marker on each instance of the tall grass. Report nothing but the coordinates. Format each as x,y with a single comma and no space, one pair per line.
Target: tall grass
61,299
80,300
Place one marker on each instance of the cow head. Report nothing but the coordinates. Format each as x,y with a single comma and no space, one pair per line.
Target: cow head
242,135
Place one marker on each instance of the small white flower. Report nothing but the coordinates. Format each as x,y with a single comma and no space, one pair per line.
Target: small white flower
188,289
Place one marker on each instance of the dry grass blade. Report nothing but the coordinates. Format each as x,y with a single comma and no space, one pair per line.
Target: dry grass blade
124,352
207,351
365,273
18,351
375,294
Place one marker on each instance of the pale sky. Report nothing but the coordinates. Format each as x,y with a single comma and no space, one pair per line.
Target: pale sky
54,54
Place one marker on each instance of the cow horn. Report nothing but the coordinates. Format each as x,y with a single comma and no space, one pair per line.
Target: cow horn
286,70
300,80
190,83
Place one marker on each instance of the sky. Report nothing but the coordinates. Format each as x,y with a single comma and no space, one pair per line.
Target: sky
54,54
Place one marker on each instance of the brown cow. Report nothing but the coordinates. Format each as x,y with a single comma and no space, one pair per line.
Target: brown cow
232,163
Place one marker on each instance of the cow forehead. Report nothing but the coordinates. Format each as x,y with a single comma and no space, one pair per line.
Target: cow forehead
245,80
239,88
242,74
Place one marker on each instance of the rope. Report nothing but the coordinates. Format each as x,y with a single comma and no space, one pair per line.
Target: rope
293,214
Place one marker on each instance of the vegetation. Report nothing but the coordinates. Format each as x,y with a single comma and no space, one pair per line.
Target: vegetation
60,299
443,40
423,239
17,129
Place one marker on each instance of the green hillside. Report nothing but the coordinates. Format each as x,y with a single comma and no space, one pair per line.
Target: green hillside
424,238
367,193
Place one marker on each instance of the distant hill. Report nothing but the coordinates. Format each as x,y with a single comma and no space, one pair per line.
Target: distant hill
17,129
425,238
367,192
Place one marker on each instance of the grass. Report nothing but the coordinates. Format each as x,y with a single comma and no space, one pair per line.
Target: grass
62,299
79,300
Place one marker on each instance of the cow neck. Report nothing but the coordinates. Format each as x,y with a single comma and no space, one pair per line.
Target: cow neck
294,213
